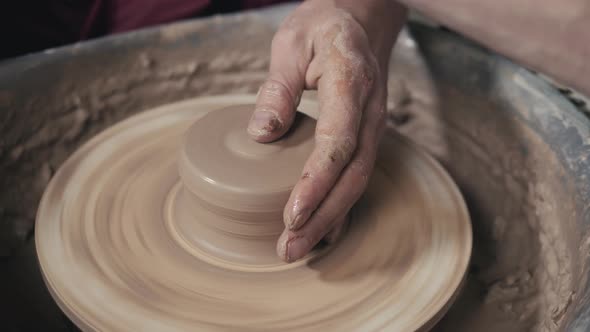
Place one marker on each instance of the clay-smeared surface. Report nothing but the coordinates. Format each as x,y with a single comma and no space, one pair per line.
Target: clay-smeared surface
107,232
523,275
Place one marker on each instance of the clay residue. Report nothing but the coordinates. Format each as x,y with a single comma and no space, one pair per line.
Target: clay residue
521,274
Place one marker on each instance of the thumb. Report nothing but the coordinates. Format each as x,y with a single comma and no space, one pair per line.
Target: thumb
279,95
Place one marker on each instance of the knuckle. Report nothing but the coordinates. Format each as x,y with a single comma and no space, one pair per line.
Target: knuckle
286,38
272,88
357,70
368,66
347,147
275,94
364,73
338,149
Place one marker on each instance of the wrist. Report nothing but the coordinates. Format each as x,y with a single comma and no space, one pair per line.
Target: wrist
381,19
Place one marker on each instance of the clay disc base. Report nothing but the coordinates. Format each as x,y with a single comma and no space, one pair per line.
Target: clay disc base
113,261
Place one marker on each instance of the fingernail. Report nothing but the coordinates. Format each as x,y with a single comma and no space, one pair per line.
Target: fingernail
296,248
291,247
263,123
299,219
282,245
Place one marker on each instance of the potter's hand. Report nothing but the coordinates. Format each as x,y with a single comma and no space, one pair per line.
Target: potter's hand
341,48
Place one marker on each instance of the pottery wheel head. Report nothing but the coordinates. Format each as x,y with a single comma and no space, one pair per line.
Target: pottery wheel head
168,221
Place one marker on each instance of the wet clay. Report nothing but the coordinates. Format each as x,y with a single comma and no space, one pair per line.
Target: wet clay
521,276
161,224
235,189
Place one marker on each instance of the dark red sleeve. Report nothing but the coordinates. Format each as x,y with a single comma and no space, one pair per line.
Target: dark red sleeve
125,15
34,25
260,3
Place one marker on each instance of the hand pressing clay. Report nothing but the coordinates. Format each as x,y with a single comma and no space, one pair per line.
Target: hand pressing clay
168,222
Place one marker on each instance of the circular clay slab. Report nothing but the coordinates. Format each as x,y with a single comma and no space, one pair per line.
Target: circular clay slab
168,221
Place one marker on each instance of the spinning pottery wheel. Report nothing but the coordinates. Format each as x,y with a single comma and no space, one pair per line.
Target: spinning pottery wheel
169,220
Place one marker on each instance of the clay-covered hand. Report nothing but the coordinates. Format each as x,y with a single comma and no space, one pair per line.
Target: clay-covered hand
341,48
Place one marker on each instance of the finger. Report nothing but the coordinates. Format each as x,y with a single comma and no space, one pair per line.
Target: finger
342,91
337,229
347,190
297,243
290,253
279,95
